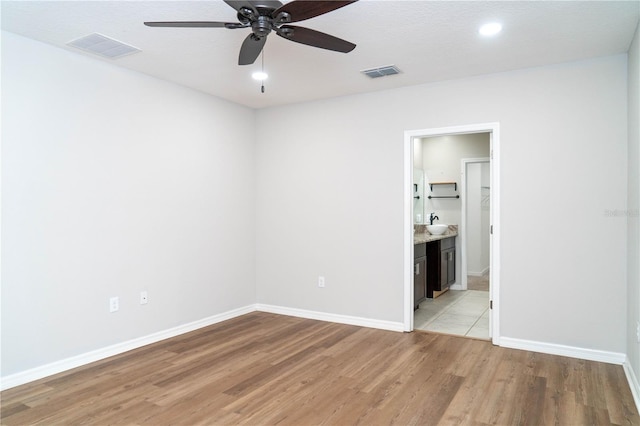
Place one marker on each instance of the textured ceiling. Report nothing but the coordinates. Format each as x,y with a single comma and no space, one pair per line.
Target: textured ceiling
428,40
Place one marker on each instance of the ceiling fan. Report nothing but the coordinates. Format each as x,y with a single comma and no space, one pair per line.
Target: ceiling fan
264,16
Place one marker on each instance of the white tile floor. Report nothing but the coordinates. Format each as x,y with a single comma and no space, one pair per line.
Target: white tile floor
464,313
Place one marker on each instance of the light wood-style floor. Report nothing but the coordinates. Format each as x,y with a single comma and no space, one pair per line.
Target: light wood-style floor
269,369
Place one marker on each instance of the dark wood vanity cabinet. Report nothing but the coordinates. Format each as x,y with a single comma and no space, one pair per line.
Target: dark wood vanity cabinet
447,263
419,274
441,265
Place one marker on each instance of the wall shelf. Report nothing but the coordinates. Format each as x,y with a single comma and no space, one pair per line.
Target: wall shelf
455,184
455,188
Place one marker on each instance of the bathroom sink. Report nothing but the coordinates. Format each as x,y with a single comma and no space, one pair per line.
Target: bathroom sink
437,229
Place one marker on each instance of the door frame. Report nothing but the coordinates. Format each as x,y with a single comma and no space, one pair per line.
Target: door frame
493,128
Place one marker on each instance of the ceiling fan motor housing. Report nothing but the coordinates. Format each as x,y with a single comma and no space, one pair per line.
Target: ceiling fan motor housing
282,18
262,26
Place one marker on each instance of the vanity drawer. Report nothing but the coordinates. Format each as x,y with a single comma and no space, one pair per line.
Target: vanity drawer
447,243
419,250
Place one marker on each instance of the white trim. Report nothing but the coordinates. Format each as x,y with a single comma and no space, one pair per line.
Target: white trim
494,240
56,367
563,350
407,264
507,342
633,382
494,269
338,318
119,348
478,274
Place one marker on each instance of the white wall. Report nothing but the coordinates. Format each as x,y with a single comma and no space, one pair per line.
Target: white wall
114,182
441,159
563,146
633,205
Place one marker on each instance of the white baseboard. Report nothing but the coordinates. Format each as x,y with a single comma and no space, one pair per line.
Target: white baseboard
99,354
323,316
633,382
562,350
37,373
47,370
479,274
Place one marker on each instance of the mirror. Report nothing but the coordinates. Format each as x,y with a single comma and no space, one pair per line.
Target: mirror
418,196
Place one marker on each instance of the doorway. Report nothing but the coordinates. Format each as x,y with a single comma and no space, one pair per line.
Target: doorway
475,223
493,200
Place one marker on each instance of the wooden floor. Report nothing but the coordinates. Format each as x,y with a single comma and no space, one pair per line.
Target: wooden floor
269,369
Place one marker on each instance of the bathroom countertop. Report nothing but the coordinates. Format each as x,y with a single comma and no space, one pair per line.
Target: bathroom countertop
425,237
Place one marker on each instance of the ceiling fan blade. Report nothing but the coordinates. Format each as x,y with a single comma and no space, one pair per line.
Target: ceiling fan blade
299,10
239,4
251,48
268,4
194,24
315,38
253,5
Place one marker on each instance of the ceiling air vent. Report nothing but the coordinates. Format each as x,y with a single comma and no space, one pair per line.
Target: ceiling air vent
103,46
381,72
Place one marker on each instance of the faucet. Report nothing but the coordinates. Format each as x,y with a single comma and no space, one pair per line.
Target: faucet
433,217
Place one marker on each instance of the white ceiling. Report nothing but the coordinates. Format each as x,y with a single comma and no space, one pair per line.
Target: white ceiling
428,40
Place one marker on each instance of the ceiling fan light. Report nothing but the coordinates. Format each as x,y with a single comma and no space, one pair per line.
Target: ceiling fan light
260,75
490,29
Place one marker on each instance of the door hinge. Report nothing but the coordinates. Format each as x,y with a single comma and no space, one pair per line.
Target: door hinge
490,304
491,230
491,154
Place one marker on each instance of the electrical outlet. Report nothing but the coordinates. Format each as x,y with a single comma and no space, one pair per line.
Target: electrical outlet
321,282
114,304
143,298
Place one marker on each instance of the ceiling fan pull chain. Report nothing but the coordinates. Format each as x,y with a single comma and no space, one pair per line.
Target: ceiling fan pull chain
262,87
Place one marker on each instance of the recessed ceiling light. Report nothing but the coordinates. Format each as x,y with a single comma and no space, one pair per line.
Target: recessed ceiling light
490,29
259,75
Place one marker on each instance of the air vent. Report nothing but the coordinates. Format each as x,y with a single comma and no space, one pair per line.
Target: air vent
103,46
381,72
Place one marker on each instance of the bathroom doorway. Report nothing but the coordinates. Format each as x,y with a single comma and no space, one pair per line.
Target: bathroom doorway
484,193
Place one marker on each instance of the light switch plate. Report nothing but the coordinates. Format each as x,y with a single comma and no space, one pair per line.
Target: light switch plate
114,304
